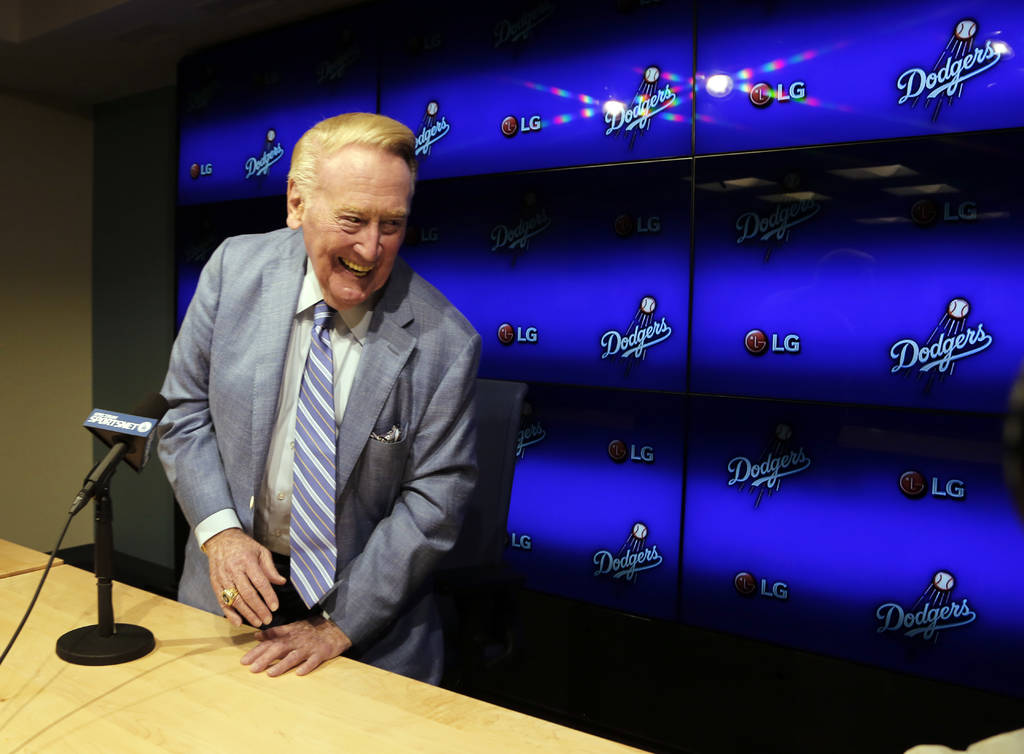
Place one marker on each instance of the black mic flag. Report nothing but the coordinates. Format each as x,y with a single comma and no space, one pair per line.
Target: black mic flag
135,429
129,437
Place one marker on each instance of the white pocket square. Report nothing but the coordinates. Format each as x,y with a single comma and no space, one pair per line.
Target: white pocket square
393,435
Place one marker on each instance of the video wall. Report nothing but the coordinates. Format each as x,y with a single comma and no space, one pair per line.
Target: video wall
756,262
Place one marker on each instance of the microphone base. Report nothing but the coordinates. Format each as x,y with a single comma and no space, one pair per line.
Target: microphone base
85,646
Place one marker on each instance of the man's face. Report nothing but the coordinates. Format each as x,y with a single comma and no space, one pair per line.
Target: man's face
353,221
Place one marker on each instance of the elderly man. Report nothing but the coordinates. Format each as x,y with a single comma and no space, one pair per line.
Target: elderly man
320,437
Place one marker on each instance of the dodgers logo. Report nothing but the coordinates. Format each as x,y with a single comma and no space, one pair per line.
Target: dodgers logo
516,238
642,333
651,98
634,557
777,461
775,227
950,341
506,31
432,129
272,152
333,69
961,60
529,434
935,611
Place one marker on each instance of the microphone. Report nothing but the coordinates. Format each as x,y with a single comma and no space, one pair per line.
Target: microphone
129,437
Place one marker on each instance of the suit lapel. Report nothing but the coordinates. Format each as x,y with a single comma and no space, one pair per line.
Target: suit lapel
387,348
282,280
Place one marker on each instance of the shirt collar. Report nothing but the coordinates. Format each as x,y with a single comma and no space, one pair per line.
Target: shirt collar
357,318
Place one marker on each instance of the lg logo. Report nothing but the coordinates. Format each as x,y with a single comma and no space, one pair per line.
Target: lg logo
416,235
625,225
916,485
925,212
761,95
619,452
424,42
508,334
512,125
197,170
520,541
747,585
758,342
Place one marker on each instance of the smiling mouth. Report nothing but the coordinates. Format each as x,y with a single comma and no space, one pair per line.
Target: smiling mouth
358,270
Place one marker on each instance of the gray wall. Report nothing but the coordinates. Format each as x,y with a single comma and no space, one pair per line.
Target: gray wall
135,153
45,314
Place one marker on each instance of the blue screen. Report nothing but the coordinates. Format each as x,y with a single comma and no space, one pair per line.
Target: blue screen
608,531
514,87
792,73
200,229
826,527
864,274
577,276
244,105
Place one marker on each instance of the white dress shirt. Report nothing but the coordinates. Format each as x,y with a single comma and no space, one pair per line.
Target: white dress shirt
273,503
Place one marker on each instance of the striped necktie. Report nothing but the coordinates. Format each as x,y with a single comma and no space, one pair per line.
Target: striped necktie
314,553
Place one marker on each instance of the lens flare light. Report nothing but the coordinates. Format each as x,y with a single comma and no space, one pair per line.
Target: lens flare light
718,85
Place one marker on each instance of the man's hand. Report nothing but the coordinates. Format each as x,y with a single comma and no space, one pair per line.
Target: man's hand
237,560
305,643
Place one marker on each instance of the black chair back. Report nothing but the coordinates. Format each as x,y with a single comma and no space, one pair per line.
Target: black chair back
498,409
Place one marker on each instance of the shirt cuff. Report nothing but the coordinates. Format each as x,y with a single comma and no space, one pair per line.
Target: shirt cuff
215,524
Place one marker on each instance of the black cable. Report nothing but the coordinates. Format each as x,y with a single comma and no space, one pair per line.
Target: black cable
39,588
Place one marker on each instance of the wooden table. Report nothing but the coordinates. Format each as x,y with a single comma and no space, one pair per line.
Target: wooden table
15,559
191,694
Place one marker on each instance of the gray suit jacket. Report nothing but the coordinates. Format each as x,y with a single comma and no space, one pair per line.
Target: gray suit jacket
401,504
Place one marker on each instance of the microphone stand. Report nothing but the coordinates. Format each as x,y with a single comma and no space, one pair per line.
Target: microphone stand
106,642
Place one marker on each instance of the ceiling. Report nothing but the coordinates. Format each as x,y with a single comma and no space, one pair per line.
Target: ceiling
75,53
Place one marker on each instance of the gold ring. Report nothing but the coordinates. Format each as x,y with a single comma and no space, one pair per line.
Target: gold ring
228,596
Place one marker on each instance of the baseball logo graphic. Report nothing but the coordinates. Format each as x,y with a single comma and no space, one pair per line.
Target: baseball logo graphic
506,334
617,451
635,115
745,583
632,558
958,61
950,341
624,225
432,108
958,308
760,95
271,134
931,615
912,484
510,126
783,433
756,342
966,29
943,581
641,334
